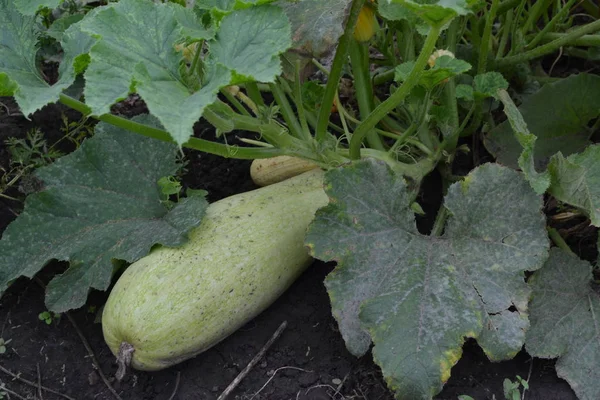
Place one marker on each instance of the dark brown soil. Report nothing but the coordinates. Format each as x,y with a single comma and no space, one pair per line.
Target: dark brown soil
309,361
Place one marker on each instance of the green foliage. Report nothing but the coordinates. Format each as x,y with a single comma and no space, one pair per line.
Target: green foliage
563,313
512,390
4,344
99,203
417,297
463,69
48,317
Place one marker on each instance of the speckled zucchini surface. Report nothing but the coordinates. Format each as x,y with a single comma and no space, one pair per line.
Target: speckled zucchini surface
177,302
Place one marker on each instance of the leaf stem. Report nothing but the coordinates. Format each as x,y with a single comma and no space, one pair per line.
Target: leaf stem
440,221
550,25
206,146
254,93
559,241
564,40
397,97
304,129
363,90
336,71
485,39
286,110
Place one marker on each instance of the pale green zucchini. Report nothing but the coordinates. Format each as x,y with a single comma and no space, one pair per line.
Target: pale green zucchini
267,171
177,302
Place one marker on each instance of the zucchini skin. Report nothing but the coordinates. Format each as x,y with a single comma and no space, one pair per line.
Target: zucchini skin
267,171
249,248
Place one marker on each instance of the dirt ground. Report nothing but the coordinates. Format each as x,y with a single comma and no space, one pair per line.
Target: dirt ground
308,361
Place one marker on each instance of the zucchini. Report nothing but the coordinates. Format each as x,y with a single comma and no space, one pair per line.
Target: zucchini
177,302
267,171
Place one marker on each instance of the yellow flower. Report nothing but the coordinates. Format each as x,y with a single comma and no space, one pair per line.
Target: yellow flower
367,24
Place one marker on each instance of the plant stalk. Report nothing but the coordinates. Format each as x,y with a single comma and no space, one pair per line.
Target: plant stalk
397,97
363,90
206,146
564,40
336,71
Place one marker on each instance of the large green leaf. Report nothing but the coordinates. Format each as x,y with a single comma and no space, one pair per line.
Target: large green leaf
250,41
558,115
564,321
437,13
134,55
19,73
316,24
30,7
576,181
417,297
99,203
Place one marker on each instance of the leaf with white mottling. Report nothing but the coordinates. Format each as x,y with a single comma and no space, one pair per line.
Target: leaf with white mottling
558,115
417,297
564,314
576,180
317,25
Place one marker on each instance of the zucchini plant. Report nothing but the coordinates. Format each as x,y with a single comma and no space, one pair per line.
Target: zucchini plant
430,81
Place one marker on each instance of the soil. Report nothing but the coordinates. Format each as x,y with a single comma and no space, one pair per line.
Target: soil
308,361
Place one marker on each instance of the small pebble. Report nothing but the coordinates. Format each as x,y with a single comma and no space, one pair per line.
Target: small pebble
336,381
215,389
263,364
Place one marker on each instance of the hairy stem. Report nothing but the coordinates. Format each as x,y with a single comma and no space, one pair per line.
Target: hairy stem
336,71
397,97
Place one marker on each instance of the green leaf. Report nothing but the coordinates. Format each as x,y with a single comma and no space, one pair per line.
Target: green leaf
576,181
191,24
488,84
438,13
30,7
558,114
133,55
564,321
317,25
99,203
417,297
464,92
445,67
58,27
250,41
19,75
402,71
539,181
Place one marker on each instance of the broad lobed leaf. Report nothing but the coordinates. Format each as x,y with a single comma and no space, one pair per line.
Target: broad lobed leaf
557,115
19,75
99,203
316,25
434,13
576,181
564,321
122,53
417,297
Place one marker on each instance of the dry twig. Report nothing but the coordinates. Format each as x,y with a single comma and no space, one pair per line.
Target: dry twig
273,376
39,375
10,392
253,362
33,384
93,357
176,385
